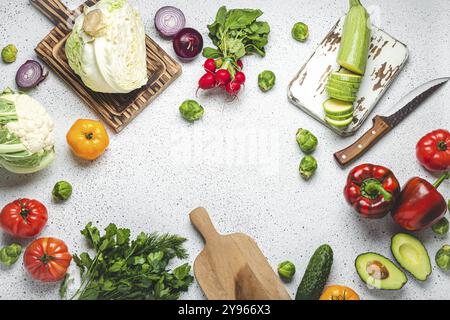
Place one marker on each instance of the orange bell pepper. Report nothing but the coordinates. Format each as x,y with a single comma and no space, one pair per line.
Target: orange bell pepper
88,139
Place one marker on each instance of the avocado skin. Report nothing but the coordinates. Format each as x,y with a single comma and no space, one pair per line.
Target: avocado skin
401,262
316,274
363,280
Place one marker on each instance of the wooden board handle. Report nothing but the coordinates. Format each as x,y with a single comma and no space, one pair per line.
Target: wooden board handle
379,129
55,10
58,13
202,222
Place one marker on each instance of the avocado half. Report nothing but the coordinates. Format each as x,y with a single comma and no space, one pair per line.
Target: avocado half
411,254
379,272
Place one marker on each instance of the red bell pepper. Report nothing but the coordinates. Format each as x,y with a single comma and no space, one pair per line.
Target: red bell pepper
372,190
420,205
433,151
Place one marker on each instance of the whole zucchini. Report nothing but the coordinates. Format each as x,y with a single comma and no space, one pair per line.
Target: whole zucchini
355,41
316,274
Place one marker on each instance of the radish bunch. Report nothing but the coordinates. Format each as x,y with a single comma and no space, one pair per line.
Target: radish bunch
223,73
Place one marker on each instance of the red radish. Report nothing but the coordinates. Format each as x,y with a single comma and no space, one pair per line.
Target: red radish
239,77
223,77
233,87
207,81
210,65
240,64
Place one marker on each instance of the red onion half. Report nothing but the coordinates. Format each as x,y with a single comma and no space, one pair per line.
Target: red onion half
30,74
169,21
188,43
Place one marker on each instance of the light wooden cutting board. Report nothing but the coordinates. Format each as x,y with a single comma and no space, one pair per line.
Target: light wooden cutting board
232,267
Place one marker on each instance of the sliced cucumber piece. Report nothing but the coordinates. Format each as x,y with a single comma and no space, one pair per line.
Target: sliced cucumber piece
333,93
337,107
346,77
342,90
339,123
345,84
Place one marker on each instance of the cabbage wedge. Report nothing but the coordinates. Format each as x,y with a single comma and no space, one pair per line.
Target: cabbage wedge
106,48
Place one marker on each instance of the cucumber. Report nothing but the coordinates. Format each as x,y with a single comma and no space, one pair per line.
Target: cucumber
354,78
337,107
339,123
333,93
346,84
316,274
355,41
342,90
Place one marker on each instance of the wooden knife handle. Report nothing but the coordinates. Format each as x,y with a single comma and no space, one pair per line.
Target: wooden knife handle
57,12
202,222
379,129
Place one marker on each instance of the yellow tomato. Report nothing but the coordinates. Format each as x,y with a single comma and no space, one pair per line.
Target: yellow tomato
339,293
88,139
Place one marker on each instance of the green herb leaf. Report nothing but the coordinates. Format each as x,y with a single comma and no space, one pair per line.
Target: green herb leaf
241,18
211,53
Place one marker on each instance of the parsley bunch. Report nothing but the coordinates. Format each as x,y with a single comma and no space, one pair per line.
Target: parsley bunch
130,270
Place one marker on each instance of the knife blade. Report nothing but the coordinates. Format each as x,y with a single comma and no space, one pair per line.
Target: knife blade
383,124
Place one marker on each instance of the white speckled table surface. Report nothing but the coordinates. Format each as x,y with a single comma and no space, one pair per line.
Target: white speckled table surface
240,161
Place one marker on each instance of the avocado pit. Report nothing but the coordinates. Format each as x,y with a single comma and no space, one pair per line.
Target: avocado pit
377,270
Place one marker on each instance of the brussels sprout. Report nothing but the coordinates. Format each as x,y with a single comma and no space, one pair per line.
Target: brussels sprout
308,167
286,270
441,227
10,254
9,53
306,141
62,191
266,80
300,32
191,110
443,258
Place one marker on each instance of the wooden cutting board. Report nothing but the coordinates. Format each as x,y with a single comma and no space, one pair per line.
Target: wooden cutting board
117,110
232,267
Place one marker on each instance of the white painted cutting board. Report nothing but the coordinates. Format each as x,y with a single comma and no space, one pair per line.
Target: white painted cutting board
387,56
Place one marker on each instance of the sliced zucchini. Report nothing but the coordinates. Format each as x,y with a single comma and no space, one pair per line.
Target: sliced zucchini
342,90
333,93
346,84
339,123
346,77
337,107
343,117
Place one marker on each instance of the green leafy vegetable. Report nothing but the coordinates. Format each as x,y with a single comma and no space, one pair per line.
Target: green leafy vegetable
10,254
62,191
441,227
266,80
9,53
236,33
191,110
68,280
308,167
306,141
300,32
443,258
286,270
122,269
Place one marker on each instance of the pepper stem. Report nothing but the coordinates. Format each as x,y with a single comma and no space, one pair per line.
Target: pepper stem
372,188
441,179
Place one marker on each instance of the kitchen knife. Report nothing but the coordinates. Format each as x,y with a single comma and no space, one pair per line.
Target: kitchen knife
382,125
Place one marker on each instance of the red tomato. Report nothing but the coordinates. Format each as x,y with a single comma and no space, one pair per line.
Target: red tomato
23,218
433,151
47,259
